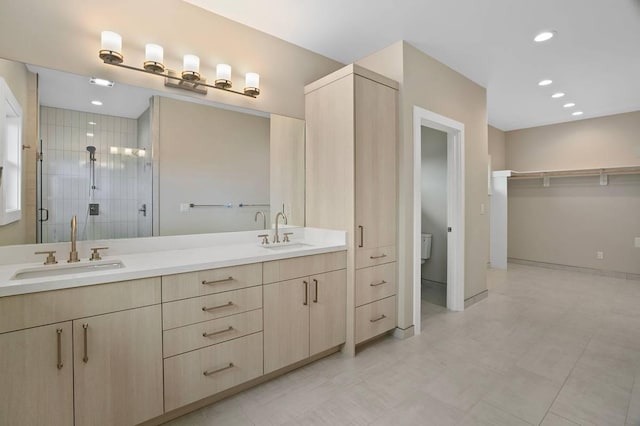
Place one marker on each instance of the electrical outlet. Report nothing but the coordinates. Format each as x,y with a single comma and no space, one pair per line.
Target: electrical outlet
600,255
637,242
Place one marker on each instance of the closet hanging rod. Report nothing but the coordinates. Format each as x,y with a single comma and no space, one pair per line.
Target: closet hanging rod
626,170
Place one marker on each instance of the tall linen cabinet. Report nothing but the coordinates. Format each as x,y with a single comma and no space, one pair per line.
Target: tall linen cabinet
351,139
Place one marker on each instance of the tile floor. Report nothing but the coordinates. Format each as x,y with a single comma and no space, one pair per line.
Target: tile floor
547,347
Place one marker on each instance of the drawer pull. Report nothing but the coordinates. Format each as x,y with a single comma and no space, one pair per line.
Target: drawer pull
85,358
219,370
315,299
377,284
378,257
361,236
381,317
213,308
204,282
215,333
59,332
306,293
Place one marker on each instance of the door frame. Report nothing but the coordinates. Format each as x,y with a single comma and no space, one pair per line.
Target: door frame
455,208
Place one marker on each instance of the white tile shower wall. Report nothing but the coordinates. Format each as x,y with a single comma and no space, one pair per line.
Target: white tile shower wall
66,188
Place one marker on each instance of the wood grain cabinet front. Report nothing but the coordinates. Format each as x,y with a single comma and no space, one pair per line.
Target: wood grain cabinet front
36,380
375,283
375,318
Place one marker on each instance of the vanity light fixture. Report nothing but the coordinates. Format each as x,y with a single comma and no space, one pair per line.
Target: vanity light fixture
101,82
96,103
545,82
557,95
188,79
569,105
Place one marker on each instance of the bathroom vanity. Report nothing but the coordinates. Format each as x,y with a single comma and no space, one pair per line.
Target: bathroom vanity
170,330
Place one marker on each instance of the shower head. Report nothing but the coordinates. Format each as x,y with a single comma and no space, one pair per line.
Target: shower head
92,152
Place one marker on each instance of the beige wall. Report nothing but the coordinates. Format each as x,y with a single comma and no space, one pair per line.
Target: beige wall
598,142
210,156
23,86
569,221
66,36
497,148
430,84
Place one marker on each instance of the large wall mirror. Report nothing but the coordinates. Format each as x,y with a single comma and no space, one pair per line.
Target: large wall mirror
132,162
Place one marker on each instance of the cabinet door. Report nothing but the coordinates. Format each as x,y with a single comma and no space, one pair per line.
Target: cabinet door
376,135
36,386
118,367
328,297
286,323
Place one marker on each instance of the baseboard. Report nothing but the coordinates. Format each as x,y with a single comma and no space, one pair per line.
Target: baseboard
404,333
591,271
475,299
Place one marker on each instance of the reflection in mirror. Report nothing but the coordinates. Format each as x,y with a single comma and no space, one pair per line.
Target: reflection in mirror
141,162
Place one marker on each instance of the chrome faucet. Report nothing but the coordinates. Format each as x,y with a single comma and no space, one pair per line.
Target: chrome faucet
73,255
264,219
276,238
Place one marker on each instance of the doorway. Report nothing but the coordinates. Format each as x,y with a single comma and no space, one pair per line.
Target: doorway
455,236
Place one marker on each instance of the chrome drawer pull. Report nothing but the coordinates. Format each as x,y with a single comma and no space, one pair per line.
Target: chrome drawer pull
377,284
217,281
59,332
381,317
213,308
219,370
378,257
215,333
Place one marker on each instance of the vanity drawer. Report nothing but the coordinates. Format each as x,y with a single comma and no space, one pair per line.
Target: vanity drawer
195,375
375,256
296,267
196,336
48,307
193,284
205,308
375,318
375,283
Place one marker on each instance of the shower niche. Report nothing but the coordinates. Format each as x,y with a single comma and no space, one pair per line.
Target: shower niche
97,167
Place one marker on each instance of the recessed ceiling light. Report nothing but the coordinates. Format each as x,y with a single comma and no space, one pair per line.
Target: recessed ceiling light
557,95
569,105
577,113
544,82
96,103
92,123
544,36
89,134
101,82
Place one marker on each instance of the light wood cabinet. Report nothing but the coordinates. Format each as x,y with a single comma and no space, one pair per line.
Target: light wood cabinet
118,367
303,317
351,144
37,376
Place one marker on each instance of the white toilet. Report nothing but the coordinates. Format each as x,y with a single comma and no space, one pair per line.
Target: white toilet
425,248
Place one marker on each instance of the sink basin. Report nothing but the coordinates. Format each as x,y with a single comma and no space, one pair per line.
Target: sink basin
66,269
285,246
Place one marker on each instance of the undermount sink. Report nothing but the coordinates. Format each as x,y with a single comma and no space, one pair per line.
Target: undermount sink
285,246
66,269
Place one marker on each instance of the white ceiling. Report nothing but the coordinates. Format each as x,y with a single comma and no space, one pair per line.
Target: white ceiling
594,59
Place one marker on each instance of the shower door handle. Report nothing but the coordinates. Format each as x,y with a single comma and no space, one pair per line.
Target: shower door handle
46,217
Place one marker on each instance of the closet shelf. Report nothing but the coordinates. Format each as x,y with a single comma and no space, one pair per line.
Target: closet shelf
625,170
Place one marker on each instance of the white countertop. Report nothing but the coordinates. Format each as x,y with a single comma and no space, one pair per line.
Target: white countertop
157,256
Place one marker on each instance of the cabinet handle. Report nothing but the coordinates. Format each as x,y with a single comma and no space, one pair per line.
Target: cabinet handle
315,299
213,308
378,257
381,317
215,333
85,358
306,293
204,282
377,284
59,333
361,236
219,370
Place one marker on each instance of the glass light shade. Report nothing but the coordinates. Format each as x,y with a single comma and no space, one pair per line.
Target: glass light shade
111,41
191,67
223,72
111,47
153,57
252,84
